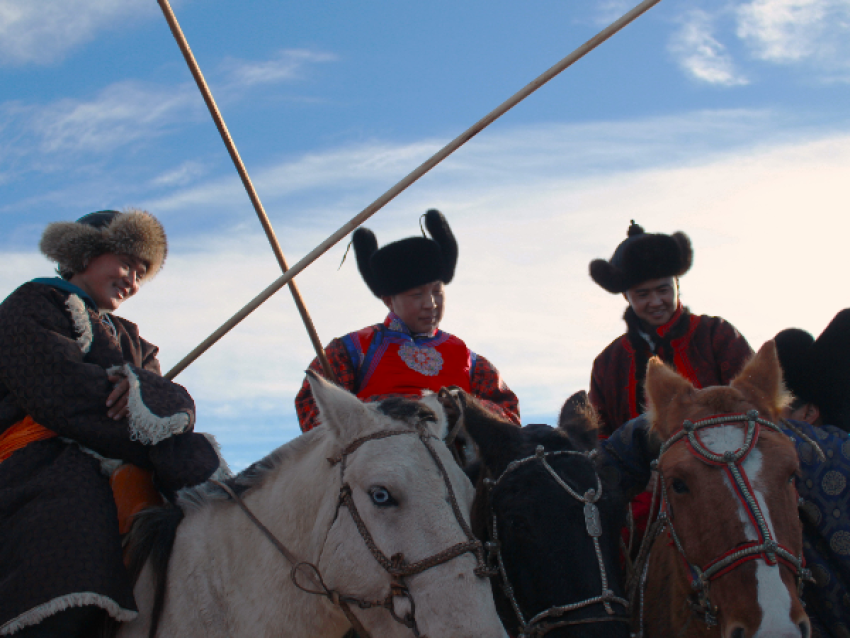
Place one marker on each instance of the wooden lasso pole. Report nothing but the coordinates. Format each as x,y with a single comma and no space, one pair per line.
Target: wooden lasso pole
426,166
246,180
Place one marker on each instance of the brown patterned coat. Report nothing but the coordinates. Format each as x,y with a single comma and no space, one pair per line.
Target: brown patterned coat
59,540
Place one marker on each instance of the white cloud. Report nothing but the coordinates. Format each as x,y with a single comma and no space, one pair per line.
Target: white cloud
285,65
788,31
701,55
766,220
42,31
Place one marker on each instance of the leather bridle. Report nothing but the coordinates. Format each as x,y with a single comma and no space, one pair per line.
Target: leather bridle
553,617
396,565
765,547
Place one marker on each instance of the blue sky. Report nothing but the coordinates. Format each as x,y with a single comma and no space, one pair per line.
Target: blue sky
725,119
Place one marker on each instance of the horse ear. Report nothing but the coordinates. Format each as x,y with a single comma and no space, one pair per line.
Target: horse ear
339,410
579,420
663,385
496,440
760,381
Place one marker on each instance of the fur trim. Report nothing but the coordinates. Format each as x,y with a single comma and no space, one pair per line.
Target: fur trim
643,256
146,427
407,263
77,599
82,321
136,232
794,349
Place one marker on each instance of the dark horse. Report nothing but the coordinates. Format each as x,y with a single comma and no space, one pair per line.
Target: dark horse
552,524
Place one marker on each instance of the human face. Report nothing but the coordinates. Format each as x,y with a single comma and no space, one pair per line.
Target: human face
111,279
654,301
420,308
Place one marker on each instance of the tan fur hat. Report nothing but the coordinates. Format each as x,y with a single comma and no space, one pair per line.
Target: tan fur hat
134,232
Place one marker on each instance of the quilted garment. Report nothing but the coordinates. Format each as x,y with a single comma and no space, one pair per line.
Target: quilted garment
59,539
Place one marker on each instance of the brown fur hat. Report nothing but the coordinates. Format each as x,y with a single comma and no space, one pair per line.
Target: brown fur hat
643,256
134,232
407,263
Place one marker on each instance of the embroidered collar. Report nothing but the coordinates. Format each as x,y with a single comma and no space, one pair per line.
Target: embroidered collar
393,322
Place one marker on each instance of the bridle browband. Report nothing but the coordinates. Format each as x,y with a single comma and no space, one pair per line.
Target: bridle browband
538,625
396,565
765,547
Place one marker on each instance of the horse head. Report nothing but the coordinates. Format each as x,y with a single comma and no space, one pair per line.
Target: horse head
551,524
728,498
400,540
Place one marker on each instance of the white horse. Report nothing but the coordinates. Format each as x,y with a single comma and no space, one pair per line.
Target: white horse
408,499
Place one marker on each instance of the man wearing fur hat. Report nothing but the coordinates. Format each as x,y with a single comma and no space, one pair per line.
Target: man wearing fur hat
408,353
645,269
817,372
80,394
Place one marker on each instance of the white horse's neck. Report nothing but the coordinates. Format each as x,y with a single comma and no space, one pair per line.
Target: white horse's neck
217,546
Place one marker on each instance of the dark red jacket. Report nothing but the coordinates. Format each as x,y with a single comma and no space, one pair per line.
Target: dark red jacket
707,350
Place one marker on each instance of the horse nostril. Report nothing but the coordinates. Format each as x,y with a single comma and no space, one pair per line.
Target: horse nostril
738,632
805,630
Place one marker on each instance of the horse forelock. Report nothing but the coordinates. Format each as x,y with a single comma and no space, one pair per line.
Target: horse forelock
407,411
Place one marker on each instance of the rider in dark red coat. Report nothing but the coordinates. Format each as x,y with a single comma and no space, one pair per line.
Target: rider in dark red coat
707,350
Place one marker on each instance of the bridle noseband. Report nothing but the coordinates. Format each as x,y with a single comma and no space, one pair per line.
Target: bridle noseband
396,565
765,547
538,625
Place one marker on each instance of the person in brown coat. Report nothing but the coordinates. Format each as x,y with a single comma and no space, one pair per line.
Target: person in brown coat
80,394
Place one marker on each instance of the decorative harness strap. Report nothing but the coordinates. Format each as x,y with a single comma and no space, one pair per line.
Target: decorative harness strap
765,547
536,625
396,565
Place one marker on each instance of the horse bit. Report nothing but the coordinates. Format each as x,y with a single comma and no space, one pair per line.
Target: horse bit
765,547
396,566
593,524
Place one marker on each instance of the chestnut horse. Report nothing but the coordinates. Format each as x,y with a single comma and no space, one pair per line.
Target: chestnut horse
551,524
725,553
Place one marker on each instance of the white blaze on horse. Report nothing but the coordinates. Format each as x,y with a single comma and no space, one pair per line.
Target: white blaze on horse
727,560
373,507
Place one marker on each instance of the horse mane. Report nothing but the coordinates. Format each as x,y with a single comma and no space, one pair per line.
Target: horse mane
154,530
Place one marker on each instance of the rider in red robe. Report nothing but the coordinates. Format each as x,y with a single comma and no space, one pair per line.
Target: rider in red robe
408,353
645,269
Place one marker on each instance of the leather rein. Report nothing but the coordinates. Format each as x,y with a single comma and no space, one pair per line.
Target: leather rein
396,565
765,548
542,623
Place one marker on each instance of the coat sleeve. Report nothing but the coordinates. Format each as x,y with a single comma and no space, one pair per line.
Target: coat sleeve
45,364
731,350
596,396
489,387
346,377
625,456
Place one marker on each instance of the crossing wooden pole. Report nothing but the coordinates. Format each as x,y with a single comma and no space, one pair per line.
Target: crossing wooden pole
246,180
426,166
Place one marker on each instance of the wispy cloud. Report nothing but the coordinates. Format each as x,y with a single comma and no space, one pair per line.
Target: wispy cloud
528,222
43,31
701,55
285,65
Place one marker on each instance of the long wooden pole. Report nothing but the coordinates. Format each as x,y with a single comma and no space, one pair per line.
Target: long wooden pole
426,166
246,180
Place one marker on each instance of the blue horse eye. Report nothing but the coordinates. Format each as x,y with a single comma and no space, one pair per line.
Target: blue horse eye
381,497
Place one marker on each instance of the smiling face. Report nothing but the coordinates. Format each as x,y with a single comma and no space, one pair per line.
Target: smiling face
654,301
420,308
111,279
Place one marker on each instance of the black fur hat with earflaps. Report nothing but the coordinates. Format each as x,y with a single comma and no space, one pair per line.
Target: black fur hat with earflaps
818,370
135,232
643,256
407,263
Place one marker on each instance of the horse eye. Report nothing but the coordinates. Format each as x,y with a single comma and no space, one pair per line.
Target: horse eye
382,497
680,487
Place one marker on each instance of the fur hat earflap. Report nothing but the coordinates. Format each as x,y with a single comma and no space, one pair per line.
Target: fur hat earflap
643,256
135,232
818,370
407,263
